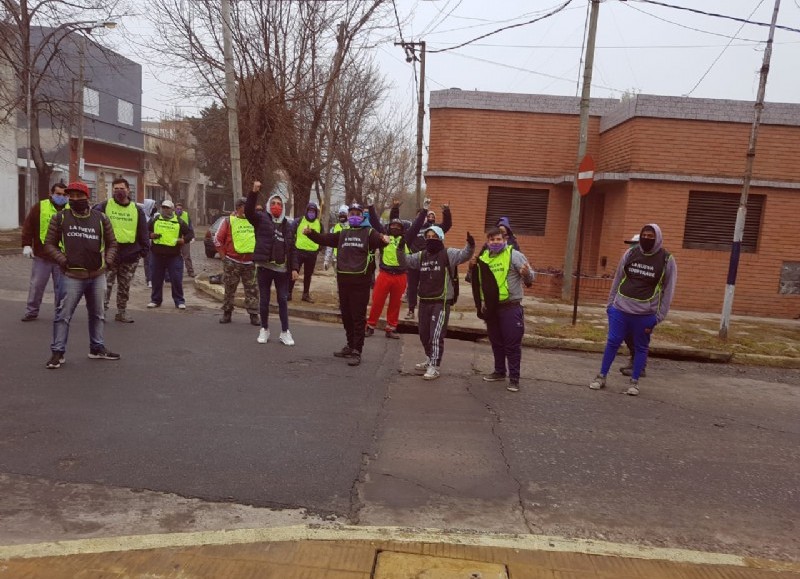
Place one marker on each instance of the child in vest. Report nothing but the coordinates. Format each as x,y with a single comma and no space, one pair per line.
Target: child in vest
498,274
438,282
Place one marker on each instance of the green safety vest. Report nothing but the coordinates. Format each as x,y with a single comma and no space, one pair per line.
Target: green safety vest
499,265
389,253
124,219
302,240
46,211
170,230
243,234
185,217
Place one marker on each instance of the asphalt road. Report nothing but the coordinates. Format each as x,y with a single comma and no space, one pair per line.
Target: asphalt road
706,458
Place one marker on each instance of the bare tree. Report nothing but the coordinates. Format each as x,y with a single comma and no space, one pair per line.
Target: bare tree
31,34
172,147
288,55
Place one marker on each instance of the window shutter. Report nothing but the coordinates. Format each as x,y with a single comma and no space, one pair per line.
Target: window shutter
525,208
711,220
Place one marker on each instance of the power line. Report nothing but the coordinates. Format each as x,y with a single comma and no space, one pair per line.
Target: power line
717,15
705,74
399,28
548,14
632,7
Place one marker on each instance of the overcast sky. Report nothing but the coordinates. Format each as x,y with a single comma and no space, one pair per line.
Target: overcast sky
641,47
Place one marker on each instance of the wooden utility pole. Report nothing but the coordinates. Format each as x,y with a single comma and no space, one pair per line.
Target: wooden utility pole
741,214
232,104
575,210
411,56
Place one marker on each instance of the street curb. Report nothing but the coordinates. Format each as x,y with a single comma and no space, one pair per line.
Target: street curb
10,251
678,353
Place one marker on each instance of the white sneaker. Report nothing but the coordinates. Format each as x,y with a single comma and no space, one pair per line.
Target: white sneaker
181,306
422,366
152,305
432,373
286,338
263,336
149,284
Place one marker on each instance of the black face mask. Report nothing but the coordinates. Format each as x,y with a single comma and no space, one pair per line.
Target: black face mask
394,232
343,219
647,245
434,245
79,205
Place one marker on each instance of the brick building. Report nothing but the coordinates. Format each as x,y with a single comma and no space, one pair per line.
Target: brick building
671,160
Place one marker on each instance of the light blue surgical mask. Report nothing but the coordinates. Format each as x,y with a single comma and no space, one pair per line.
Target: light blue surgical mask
59,200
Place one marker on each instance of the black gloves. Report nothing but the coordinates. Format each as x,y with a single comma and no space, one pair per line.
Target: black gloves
470,240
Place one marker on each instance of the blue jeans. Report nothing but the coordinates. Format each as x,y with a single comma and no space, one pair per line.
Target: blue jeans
265,278
41,272
620,325
172,265
71,291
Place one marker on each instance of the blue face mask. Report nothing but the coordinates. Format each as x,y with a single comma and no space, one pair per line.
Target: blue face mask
355,220
60,200
497,247
311,215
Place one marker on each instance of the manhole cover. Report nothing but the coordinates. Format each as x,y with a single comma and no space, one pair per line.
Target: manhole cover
408,566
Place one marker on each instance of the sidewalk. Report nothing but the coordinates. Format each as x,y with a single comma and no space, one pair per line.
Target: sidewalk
683,336
346,552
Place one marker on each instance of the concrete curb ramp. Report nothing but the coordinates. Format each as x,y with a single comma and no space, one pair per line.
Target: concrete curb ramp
338,551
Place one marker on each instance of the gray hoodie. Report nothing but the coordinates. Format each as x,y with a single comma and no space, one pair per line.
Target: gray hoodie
660,303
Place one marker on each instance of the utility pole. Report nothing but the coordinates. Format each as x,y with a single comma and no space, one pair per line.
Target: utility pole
81,73
232,103
411,56
575,210
741,214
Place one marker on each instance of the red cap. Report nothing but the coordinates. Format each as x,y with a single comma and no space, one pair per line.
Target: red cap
78,186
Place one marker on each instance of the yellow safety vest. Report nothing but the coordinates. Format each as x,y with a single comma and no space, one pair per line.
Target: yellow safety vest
499,265
46,211
170,230
243,234
124,219
302,240
389,253
185,217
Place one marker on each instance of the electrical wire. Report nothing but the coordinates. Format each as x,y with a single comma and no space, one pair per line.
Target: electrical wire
717,15
583,47
399,28
632,7
547,15
708,70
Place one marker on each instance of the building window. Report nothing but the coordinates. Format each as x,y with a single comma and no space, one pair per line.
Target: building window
125,112
91,101
511,201
790,278
711,219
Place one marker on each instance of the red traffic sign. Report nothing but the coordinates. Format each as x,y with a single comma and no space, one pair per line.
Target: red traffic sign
585,175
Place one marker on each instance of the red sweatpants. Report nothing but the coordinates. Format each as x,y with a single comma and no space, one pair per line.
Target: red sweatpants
393,286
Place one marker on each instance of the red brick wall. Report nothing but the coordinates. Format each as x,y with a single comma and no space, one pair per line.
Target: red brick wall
495,142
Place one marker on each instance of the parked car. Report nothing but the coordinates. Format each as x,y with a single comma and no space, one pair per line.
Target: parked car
208,241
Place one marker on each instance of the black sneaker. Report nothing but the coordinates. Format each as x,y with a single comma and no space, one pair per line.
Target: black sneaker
29,317
255,320
513,385
354,359
392,335
628,371
494,377
307,298
369,332
55,360
345,352
104,355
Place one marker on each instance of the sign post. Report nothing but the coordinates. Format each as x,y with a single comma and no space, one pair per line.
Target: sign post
585,178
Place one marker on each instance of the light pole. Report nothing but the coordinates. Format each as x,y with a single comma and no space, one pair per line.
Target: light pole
32,56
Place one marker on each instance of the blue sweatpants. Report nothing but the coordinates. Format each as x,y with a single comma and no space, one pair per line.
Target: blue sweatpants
621,324
506,328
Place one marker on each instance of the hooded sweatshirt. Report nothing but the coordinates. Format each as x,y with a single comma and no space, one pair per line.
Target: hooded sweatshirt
512,239
275,236
302,242
644,283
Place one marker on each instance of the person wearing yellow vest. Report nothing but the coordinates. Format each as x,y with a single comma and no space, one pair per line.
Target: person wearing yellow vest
186,248
130,229
168,233
81,240
498,274
34,229
307,250
235,242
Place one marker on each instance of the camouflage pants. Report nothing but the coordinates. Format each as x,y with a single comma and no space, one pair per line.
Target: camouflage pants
123,273
186,252
232,272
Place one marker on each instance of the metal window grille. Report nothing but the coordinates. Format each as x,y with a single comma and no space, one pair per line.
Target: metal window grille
525,208
124,112
711,219
91,101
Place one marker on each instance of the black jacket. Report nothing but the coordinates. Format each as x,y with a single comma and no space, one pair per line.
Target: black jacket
265,234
